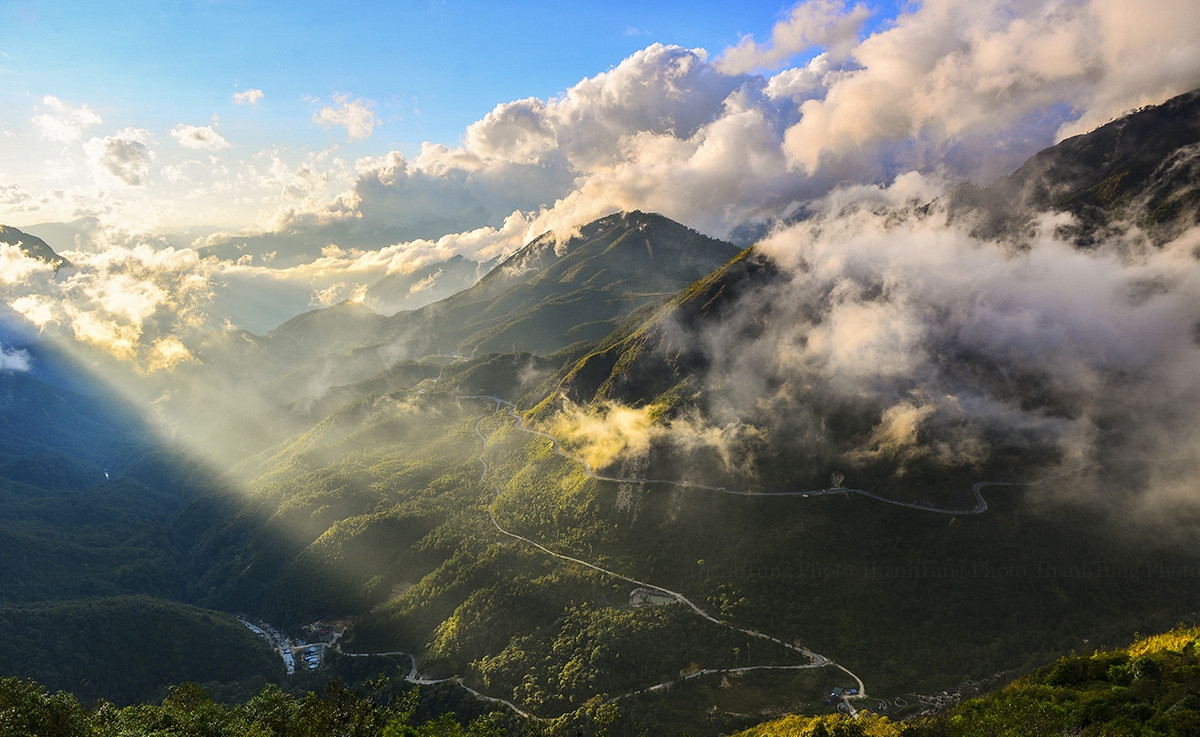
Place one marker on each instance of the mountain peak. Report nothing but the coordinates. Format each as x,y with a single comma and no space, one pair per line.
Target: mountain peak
555,292
638,237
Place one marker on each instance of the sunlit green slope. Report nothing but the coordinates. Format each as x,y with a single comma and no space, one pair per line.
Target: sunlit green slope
1151,687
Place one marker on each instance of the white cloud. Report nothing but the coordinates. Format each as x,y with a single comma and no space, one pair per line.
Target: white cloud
973,77
13,195
248,97
527,154
199,137
62,123
941,335
18,268
953,88
136,302
1147,51
823,23
14,359
356,116
965,89
125,156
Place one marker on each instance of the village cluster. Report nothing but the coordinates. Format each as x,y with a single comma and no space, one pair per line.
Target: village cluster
310,652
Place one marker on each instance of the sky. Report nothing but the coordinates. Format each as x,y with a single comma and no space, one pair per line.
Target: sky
253,85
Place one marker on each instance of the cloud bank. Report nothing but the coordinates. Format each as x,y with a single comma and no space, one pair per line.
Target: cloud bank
894,345
730,142
136,303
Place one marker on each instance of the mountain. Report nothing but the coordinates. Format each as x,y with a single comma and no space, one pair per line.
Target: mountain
1144,167
541,299
550,294
32,246
369,504
130,649
89,499
649,577
713,351
330,330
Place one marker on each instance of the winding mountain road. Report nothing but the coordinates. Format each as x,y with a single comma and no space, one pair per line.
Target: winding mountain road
816,660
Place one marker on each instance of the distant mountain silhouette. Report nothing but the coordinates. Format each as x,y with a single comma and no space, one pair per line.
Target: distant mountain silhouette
32,246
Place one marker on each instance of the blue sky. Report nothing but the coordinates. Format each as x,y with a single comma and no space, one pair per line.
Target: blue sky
429,68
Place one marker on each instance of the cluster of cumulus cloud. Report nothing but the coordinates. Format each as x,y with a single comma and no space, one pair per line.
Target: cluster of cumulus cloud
730,144
733,144
1090,352
136,303
726,143
969,89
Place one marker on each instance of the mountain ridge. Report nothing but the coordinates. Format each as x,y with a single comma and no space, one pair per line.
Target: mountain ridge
33,247
1144,166
585,276
590,283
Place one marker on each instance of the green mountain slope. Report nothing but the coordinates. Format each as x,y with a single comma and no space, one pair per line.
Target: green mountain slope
82,490
131,649
713,357
603,483
653,497
544,298
548,295
1149,688
92,548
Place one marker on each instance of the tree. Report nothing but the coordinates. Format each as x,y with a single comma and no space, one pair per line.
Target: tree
26,709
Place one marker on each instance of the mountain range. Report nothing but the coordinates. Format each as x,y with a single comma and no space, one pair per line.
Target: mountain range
639,476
